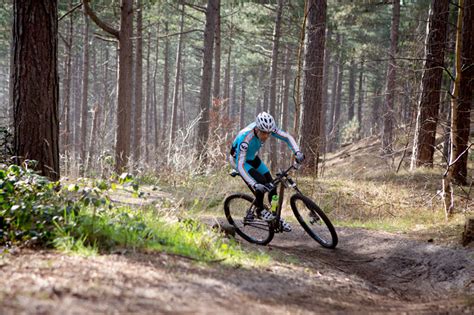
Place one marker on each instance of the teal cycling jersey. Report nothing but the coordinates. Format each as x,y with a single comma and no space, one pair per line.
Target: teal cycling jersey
246,146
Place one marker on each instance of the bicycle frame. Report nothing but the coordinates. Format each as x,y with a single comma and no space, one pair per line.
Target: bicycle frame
284,180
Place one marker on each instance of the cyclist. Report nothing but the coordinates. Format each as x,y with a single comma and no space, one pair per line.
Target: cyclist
243,157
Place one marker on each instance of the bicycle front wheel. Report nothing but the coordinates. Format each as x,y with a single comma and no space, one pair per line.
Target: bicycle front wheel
240,212
314,221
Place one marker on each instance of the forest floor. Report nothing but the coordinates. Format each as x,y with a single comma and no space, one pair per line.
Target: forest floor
369,272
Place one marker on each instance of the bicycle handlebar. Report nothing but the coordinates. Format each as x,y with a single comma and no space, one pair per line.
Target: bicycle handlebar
280,174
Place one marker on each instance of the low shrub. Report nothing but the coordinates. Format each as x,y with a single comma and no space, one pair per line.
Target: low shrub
32,207
80,217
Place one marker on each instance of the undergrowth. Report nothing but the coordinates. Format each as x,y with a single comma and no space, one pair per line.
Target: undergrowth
79,217
404,202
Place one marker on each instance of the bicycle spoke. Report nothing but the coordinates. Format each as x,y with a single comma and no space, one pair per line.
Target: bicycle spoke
314,221
239,212
262,226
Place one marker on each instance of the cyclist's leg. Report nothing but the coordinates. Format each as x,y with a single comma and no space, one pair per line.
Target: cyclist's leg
263,169
260,172
259,178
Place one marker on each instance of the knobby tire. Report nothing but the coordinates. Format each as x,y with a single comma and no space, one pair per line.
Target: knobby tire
323,232
260,232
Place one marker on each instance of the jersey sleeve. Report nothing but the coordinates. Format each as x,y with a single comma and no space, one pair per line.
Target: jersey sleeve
285,136
242,157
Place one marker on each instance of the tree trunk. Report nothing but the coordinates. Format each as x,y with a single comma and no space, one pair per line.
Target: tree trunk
242,106
460,123
360,101
137,132
325,96
122,147
448,192
468,233
335,71
66,132
265,98
96,118
227,83
205,91
352,83
166,82
427,116
261,87
154,97
297,93
85,96
182,107
77,106
446,117
149,113
279,101
313,82
337,105
107,104
273,76
388,116
217,55
124,36
376,108
284,100
35,92
233,97
174,111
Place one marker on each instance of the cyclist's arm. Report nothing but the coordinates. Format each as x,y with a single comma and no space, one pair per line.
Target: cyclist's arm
285,136
241,158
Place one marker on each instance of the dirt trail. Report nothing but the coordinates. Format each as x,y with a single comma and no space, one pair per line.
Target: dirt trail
368,272
391,264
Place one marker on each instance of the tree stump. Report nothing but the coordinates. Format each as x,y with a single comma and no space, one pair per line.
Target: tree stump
468,234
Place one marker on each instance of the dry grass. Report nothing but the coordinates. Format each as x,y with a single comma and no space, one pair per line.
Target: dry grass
359,188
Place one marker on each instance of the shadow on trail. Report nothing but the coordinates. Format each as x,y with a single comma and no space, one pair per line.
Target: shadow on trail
252,289
369,270
413,270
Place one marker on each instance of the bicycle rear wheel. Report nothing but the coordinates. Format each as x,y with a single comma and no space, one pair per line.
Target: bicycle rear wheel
314,221
240,212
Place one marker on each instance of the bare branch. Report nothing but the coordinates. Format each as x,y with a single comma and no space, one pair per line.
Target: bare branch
383,2
105,38
107,28
457,159
185,32
460,155
70,11
449,73
196,7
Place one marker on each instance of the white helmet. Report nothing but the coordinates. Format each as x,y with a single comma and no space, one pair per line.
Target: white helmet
265,122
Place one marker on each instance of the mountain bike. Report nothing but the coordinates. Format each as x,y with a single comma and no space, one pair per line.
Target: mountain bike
240,211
